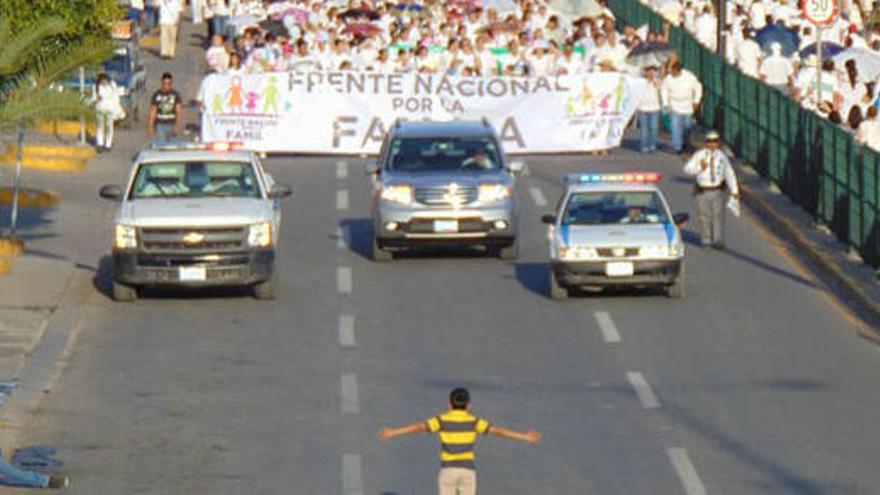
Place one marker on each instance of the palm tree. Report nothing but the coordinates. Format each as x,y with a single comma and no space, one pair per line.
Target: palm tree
27,74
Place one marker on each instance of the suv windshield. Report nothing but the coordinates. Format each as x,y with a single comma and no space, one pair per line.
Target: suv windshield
443,154
605,208
195,179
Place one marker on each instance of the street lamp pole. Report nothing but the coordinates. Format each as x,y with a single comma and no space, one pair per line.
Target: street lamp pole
721,40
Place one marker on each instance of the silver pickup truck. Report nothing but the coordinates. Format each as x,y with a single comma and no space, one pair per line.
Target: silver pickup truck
443,184
195,216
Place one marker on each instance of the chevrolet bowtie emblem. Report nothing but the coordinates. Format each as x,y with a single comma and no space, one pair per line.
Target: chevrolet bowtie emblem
193,238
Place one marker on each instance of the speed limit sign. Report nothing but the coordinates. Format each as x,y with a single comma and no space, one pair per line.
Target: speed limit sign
819,12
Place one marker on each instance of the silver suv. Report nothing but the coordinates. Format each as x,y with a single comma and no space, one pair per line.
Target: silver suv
195,216
443,184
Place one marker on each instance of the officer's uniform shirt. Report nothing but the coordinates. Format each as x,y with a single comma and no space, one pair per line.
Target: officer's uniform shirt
717,172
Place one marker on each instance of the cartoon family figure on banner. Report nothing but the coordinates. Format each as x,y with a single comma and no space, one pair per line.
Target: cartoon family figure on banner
237,100
607,100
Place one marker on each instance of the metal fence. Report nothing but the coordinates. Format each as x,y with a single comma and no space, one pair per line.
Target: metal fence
814,162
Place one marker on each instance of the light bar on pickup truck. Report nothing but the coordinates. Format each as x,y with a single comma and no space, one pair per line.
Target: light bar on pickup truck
625,178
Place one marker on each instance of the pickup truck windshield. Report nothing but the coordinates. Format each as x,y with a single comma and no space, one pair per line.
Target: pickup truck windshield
606,208
443,154
195,179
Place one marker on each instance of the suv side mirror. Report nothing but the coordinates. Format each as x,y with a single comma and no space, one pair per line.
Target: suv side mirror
680,218
371,168
280,191
516,167
111,192
548,219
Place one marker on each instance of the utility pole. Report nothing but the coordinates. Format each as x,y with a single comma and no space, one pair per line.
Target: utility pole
721,16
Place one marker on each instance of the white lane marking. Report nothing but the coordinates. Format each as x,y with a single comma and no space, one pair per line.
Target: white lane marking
342,236
538,196
686,471
643,390
607,326
342,199
341,170
343,279
352,479
346,331
348,388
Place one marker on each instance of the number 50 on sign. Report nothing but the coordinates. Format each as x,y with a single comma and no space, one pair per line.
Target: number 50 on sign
819,12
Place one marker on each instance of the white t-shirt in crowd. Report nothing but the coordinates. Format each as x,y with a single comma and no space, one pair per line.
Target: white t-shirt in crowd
651,99
757,15
169,11
705,29
776,70
680,94
748,57
869,133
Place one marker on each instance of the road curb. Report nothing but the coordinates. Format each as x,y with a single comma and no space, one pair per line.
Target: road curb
821,257
9,249
63,128
50,164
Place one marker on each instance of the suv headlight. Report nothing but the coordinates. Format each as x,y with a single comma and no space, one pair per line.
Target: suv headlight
399,193
491,193
575,253
126,237
260,235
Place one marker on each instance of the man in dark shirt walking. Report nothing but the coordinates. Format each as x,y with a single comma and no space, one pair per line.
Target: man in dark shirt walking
165,109
458,430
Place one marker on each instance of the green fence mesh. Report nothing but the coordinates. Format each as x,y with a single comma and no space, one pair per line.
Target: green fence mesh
814,162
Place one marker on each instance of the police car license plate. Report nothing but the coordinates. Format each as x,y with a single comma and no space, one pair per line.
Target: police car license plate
192,273
444,226
619,269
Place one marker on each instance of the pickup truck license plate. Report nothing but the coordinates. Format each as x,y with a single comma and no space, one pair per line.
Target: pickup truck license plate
192,273
619,269
444,226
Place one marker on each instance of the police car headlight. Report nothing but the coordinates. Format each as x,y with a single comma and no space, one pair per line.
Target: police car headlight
576,253
491,193
126,237
661,251
260,235
400,193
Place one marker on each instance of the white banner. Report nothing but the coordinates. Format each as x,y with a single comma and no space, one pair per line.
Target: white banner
349,112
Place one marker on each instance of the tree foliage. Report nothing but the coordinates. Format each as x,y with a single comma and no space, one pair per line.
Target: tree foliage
82,18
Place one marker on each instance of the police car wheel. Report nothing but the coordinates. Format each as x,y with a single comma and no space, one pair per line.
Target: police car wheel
378,254
677,290
124,293
557,291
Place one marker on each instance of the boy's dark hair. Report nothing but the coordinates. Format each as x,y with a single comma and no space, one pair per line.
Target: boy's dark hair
166,75
459,398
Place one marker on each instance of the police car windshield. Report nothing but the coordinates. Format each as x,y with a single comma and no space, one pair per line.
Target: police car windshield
195,179
609,208
443,155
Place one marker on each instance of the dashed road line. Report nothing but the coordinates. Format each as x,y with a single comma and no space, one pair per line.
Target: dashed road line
343,279
348,389
346,331
607,326
352,479
341,170
342,199
643,390
538,196
342,236
683,466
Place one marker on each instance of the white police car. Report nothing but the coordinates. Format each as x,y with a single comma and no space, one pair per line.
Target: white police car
615,230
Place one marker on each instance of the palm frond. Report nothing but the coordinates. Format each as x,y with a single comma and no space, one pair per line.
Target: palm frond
87,52
37,104
18,51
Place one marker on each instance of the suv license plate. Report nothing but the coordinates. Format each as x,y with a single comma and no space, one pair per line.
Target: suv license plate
443,226
619,269
192,274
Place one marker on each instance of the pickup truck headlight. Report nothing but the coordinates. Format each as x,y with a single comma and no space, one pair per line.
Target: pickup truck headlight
400,193
126,237
576,253
661,251
260,235
491,193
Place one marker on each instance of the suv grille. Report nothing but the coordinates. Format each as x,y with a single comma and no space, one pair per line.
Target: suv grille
195,239
446,195
618,252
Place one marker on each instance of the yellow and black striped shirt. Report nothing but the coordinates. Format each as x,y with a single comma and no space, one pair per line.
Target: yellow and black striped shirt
457,430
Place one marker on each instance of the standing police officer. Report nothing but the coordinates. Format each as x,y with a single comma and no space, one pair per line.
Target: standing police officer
713,174
458,430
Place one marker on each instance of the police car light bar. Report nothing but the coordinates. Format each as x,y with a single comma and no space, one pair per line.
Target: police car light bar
626,178
219,146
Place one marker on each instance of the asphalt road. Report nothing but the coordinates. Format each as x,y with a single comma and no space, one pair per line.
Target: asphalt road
756,383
